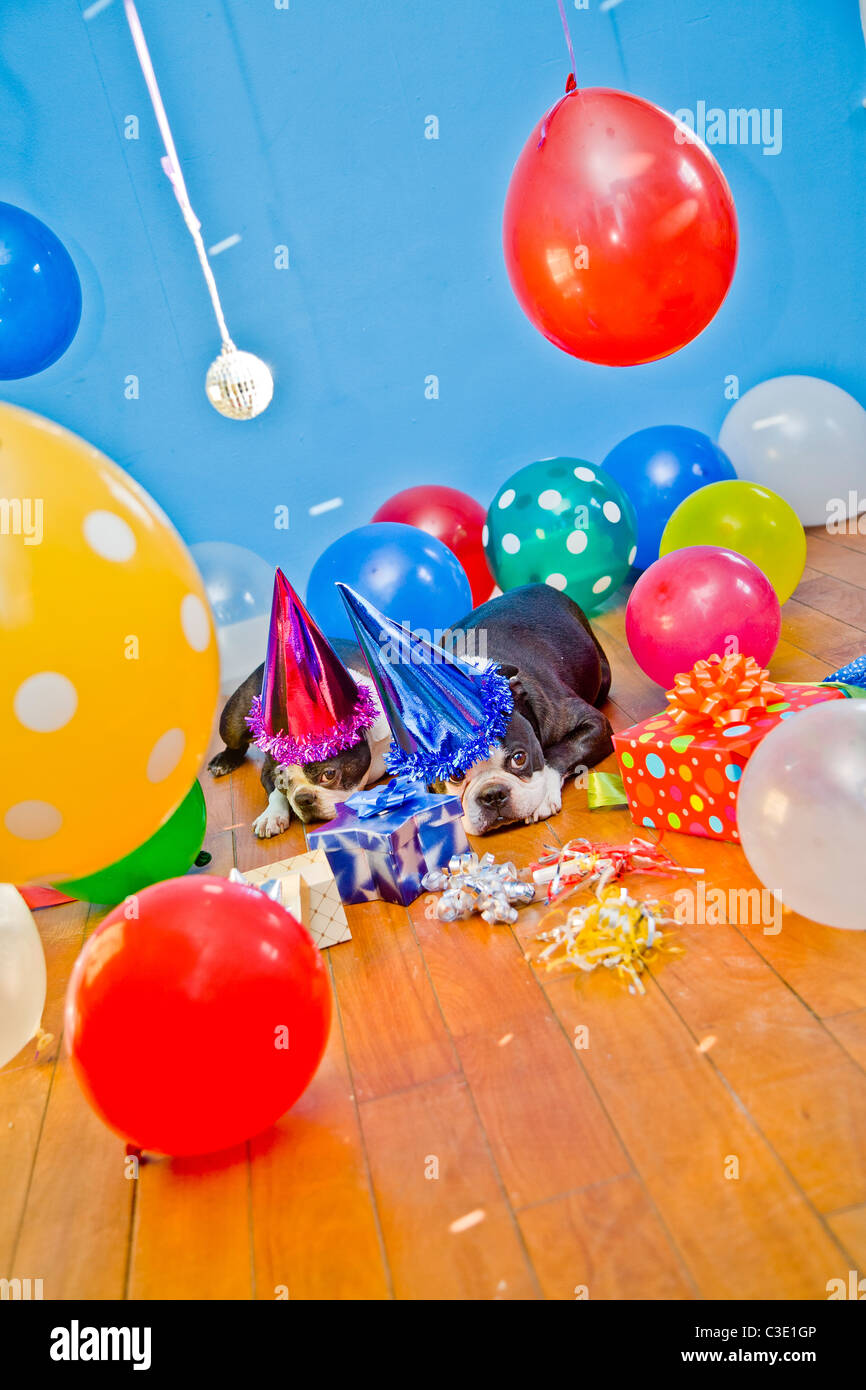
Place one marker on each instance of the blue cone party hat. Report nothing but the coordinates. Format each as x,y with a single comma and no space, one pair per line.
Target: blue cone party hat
445,712
310,708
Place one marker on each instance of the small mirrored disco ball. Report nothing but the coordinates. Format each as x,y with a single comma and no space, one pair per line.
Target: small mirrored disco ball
239,385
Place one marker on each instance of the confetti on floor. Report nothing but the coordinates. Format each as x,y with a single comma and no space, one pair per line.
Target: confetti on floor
465,1223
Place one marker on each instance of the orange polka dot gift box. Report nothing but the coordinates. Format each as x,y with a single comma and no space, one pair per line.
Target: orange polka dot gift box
681,769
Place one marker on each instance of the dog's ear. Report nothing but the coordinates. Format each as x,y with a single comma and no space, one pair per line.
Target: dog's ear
534,703
522,696
523,692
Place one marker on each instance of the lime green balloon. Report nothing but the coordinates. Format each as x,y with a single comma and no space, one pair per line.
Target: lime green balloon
748,518
167,854
563,522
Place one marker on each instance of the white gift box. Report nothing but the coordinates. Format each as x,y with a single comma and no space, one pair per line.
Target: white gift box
310,894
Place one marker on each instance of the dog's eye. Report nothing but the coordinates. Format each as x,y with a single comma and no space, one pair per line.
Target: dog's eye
328,775
518,759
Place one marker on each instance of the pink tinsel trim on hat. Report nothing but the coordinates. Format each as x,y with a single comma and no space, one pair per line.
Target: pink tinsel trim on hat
318,748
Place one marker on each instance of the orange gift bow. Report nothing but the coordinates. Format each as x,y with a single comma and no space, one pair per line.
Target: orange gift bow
721,691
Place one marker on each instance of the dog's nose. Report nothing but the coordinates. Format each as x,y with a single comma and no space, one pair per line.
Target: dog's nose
494,798
305,800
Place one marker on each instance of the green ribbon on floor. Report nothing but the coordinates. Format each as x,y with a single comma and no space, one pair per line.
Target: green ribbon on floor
605,791
852,692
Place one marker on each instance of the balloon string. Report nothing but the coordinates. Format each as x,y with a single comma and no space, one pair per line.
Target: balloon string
171,167
568,39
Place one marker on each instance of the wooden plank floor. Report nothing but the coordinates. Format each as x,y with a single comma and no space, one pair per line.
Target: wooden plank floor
708,1141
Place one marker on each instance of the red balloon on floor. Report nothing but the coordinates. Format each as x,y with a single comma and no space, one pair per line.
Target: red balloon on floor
694,602
620,231
196,1015
455,519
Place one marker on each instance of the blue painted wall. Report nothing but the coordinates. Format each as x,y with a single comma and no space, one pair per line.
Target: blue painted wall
304,127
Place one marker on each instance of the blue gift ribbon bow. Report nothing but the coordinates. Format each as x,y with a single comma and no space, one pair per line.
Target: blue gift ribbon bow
378,800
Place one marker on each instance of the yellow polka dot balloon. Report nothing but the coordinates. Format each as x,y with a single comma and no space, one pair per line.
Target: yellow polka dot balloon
109,670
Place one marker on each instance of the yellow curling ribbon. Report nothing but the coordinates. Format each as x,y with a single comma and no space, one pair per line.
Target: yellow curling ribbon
721,691
614,930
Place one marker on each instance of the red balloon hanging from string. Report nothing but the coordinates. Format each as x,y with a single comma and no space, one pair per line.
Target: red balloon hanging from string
620,232
455,519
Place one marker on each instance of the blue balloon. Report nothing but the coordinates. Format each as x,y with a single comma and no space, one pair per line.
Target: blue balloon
40,295
657,468
410,576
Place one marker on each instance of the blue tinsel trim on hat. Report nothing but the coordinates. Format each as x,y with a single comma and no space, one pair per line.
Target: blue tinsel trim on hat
453,760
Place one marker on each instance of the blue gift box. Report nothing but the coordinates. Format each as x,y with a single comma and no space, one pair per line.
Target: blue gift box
382,841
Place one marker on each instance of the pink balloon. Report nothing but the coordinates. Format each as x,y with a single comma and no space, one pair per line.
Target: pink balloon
697,601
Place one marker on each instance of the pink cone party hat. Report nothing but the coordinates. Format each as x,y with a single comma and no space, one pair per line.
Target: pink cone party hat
310,707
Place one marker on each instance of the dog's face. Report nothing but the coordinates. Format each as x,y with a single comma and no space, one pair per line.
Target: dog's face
314,790
513,784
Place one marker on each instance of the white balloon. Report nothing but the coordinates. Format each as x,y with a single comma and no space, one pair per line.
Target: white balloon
240,586
242,647
806,439
22,974
801,813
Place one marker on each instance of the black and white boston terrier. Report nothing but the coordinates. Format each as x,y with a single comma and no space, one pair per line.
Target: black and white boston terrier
559,675
311,790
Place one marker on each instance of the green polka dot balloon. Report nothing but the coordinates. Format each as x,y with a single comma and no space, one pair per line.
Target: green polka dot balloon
563,522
